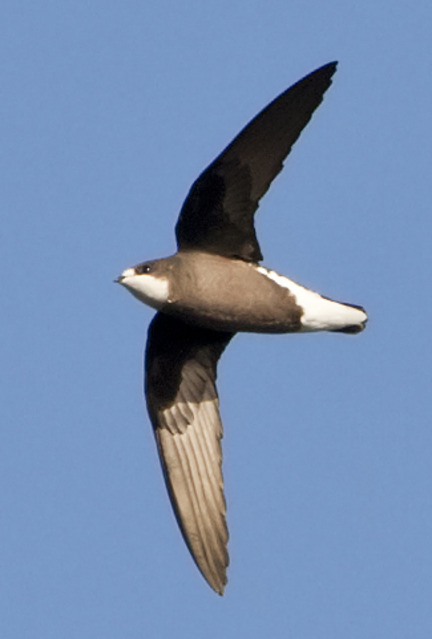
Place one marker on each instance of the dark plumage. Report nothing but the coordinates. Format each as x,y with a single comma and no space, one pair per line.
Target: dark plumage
212,288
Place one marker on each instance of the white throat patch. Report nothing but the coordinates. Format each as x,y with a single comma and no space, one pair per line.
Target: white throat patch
146,287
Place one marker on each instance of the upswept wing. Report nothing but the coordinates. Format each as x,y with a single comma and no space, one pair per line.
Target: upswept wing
217,215
183,405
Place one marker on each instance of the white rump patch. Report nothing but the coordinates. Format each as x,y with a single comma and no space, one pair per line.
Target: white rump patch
319,314
146,287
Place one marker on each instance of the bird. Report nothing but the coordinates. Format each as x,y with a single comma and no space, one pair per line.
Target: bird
213,287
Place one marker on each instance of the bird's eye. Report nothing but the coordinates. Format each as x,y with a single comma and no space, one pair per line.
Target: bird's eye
143,268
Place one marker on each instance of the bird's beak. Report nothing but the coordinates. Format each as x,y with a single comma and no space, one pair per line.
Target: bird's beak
129,272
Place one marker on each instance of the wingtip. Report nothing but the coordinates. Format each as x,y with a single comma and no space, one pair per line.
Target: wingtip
331,66
219,589
217,581
322,76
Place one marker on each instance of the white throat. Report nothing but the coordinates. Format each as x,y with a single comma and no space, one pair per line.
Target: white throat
146,287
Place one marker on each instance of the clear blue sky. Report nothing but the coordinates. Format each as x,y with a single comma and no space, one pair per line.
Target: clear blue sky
109,111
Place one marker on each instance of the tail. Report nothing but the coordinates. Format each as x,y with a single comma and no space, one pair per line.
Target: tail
323,314
360,319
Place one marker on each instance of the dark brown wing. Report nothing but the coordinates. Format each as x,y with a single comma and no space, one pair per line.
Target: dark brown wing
183,405
217,215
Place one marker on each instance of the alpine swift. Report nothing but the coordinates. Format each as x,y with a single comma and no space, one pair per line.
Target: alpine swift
209,290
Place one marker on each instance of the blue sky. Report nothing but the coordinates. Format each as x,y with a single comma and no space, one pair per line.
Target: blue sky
109,111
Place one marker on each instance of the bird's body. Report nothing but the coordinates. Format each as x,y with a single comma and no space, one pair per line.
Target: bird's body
233,295
212,288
